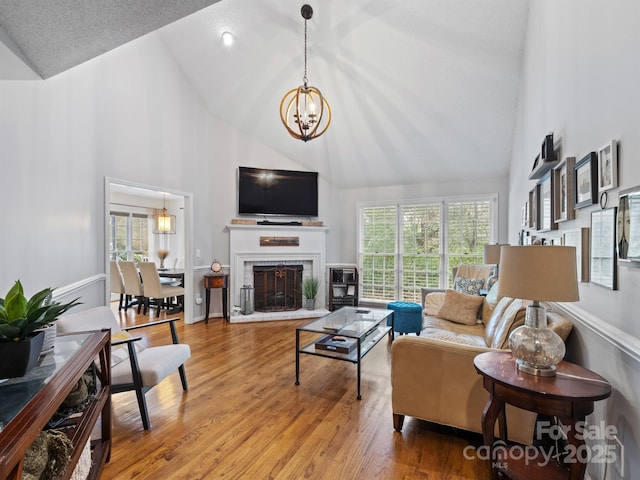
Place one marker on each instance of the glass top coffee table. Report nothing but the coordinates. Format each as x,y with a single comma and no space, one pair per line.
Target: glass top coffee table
347,334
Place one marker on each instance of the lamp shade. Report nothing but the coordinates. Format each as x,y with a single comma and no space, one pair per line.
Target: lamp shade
492,252
543,273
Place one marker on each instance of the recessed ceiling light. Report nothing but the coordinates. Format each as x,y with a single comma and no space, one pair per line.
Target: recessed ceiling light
227,38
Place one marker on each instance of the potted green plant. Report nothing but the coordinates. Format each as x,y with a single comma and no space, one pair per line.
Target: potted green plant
20,317
310,290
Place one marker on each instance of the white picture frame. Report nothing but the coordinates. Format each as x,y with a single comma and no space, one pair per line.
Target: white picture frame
608,166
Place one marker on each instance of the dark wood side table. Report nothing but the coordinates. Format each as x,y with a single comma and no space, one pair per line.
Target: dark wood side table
216,281
569,396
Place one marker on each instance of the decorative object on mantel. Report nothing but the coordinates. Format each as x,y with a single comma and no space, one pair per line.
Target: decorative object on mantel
20,348
545,160
538,273
302,109
279,241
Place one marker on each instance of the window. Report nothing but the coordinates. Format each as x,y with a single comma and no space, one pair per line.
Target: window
129,236
405,247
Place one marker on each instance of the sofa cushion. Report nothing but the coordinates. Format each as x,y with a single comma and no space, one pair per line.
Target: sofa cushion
444,330
496,317
460,308
490,302
433,302
470,286
452,337
507,315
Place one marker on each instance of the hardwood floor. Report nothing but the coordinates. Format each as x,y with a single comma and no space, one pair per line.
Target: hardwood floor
243,417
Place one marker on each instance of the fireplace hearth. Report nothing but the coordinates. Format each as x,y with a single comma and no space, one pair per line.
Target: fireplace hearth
277,287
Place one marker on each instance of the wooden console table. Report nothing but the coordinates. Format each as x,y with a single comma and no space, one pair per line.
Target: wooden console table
569,395
216,281
27,403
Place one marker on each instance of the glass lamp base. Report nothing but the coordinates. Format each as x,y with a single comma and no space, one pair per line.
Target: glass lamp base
536,370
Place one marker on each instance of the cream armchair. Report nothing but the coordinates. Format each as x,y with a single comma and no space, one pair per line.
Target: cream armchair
133,366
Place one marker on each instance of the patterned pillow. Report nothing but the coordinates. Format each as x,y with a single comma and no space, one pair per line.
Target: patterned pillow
460,308
470,286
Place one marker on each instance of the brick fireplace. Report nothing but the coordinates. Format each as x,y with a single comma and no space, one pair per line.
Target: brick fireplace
269,246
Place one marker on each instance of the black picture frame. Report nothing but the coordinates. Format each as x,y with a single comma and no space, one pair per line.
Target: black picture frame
546,203
533,209
602,245
586,181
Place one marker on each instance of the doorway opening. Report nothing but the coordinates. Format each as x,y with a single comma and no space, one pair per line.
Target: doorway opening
129,230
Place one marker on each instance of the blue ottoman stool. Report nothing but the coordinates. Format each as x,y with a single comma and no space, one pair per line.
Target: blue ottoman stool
407,317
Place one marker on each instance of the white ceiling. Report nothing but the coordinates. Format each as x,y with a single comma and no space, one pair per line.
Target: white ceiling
420,90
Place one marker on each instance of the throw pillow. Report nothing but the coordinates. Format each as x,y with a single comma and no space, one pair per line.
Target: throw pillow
432,303
470,286
460,308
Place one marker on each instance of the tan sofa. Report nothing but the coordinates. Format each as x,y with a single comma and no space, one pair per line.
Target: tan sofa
432,375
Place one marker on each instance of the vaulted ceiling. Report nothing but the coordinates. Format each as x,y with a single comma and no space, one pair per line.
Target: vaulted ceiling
420,90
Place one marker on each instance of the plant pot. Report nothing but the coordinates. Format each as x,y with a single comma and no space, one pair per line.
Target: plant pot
310,303
18,358
49,342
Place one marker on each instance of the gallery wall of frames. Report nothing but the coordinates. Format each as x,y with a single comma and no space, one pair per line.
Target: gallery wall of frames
566,185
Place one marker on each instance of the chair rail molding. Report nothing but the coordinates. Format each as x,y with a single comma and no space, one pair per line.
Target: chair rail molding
73,288
628,344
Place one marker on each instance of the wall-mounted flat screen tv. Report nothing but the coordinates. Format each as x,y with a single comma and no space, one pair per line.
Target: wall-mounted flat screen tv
277,192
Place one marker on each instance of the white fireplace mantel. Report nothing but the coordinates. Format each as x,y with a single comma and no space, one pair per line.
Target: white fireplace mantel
244,246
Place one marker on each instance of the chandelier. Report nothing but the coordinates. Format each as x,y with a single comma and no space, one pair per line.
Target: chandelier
164,223
304,112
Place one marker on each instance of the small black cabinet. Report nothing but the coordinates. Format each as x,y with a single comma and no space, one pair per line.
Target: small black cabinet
343,287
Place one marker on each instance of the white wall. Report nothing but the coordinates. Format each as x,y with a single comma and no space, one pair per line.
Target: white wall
580,81
129,114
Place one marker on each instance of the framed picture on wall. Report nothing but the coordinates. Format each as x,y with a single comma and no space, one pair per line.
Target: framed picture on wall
607,166
533,208
545,203
586,181
603,264
579,238
563,191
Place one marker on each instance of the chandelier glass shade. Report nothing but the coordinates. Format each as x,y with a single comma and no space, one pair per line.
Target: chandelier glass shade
304,112
164,223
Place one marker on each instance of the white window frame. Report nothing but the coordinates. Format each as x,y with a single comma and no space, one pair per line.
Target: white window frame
444,235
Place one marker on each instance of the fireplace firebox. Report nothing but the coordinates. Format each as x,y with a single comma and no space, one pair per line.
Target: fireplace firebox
277,287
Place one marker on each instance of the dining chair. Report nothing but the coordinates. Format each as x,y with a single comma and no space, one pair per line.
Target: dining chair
117,284
133,287
134,366
153,288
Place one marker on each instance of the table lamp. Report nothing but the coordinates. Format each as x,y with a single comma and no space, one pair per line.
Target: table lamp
492,256
538,273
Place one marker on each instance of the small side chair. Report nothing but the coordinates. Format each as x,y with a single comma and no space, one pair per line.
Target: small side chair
133,366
